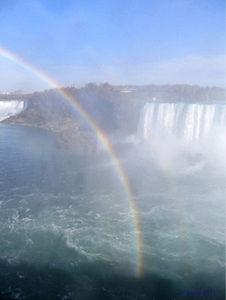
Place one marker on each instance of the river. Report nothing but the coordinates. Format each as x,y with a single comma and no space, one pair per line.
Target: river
69,231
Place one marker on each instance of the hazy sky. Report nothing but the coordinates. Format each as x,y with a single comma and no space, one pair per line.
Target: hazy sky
115,41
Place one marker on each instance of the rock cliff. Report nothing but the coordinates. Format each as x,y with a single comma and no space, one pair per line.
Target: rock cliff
114,109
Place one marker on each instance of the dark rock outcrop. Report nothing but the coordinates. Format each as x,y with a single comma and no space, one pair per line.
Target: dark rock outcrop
114,109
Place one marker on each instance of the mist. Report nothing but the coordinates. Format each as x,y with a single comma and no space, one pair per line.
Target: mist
65,200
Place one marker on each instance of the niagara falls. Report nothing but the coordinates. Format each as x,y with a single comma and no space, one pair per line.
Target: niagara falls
10,108
112,150
148,211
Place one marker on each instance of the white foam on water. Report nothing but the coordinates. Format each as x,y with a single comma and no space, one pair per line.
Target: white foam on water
11,108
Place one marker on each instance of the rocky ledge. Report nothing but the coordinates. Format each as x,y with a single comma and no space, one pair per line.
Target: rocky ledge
69,133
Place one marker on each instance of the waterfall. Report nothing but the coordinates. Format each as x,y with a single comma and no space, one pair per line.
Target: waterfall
191,122
11,107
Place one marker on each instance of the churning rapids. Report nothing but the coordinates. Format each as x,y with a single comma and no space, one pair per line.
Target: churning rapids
66,226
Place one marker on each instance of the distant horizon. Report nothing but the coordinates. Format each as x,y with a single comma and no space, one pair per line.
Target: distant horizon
122,42
22,91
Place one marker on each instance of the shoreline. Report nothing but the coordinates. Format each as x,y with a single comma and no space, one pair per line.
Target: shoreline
65,132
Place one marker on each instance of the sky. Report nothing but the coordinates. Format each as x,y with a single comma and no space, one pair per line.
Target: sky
116,41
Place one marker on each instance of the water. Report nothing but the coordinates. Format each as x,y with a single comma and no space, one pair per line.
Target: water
192,122
67,231
11,107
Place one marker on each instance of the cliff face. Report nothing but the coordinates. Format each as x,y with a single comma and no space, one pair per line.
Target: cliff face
113,109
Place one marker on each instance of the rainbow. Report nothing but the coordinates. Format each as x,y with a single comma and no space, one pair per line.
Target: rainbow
156,144
103,139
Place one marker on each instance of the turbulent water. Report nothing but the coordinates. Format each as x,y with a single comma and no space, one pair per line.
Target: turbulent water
192,122
11,108
67,230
